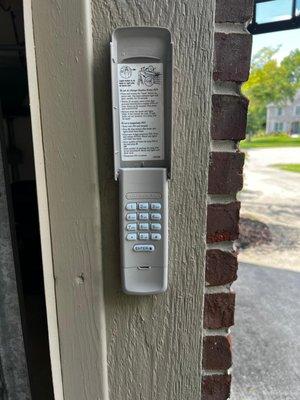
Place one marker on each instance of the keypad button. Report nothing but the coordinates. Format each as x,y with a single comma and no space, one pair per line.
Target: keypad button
155,216
155,206
155,227
143,206
143,216
147,248
131,206
131,217
155,236
144,236
131,236
131,227
144,227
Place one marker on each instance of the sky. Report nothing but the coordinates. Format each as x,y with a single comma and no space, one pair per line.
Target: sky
289,40
275,10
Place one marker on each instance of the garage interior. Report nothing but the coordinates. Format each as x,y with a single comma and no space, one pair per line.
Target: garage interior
17,148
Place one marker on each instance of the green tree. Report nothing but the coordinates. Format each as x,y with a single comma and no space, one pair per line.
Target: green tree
270,82
290,66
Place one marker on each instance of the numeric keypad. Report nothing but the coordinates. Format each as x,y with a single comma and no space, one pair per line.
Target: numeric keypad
143,231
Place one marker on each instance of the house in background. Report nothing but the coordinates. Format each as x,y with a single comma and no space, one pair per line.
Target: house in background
284,118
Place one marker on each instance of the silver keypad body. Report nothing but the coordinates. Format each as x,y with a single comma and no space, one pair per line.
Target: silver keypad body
144,261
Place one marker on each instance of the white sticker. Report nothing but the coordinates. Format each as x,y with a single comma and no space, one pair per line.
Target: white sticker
141,111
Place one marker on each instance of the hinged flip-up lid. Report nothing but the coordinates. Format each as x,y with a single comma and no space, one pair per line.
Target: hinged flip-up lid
141,69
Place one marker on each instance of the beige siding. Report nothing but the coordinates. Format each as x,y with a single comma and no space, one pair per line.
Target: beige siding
154,343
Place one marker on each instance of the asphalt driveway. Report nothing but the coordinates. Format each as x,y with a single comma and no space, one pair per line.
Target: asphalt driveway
273,196
266,335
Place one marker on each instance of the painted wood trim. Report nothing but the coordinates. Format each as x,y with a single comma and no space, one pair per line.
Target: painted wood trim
43,206
59,51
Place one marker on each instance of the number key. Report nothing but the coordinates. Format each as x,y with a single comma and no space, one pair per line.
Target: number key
131,227
144,236
155,206
131,236
143,206
131,217
155,227
131,206
155,216
143,216
143,227
155,236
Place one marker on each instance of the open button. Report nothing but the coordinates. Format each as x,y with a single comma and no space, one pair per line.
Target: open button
145,248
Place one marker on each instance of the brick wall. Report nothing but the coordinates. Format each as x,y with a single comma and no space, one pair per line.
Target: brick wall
229,114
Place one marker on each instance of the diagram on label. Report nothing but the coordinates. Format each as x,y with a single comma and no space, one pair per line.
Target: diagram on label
141,111
148,76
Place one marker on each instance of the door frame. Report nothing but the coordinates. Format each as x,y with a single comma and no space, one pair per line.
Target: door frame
62,116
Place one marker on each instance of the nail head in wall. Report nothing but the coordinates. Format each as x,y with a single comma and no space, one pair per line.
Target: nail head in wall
80,279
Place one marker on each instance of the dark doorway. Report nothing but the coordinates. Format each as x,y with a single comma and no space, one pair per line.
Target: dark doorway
20,178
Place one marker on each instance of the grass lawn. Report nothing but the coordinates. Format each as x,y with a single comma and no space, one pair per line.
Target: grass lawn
270,141
288,167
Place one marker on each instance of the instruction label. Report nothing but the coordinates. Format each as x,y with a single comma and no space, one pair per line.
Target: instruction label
141,111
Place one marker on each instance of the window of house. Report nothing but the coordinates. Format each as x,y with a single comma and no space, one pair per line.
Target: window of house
297,110
279,111
295,127
278,127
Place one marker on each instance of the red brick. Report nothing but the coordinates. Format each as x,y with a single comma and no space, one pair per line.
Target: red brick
234,10
223,222
225,172
232,56
221,267
216,353
216,387
219,310
229,117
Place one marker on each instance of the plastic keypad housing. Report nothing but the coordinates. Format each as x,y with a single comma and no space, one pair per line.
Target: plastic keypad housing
144,250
